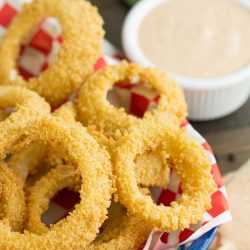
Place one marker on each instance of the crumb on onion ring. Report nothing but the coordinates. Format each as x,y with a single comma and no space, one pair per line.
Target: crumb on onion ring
12,206
27,105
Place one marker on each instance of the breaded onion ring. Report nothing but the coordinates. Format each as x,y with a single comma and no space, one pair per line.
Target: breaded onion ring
189,163
130,234
12,206
120,230
63,176
30,160
71,142
82,42
94,108
27,105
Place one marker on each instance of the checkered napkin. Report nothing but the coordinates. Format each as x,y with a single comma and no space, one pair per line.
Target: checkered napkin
38,51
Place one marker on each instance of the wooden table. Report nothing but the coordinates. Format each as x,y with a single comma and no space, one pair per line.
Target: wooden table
229,136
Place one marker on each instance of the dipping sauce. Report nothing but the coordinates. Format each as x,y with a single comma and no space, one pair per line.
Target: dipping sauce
197,38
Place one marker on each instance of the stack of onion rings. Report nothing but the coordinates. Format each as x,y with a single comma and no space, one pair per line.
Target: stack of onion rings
90,146
94,166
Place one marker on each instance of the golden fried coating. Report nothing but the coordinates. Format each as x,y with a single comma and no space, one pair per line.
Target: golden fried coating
117,229
94,108
67,111
27,105
129,235
12,205
27,161
69,140
189,163
3,114
152,170
58,178
82,45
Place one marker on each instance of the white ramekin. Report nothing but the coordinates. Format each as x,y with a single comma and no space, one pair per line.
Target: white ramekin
208,98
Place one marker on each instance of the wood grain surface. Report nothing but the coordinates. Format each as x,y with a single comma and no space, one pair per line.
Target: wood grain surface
229,136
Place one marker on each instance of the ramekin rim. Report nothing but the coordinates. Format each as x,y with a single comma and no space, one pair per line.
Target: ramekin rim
134,52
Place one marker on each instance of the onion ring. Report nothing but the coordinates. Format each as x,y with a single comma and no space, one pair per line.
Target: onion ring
189,163
81,226
12,198
129,233
31,159
82,43
63,176
93,108
27,105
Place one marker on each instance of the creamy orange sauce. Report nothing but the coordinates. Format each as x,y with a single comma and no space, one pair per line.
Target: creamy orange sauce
197,38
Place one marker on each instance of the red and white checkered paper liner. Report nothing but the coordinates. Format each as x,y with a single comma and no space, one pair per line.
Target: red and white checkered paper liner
38,51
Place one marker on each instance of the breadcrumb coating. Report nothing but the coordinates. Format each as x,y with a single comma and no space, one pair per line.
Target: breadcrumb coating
82,45
27,161
58,178
152,170
27,105
12,206
189,163
121,231
76,146
94,108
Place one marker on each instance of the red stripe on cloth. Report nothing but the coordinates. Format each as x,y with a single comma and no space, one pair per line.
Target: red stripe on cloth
44,67
185,234
180,191
219,204
166,197
60,39
124,85
120,57
24,73
67,198
184,124
42,41
157,99
217,176
206,146
100,64
139,105
7,13
164,238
